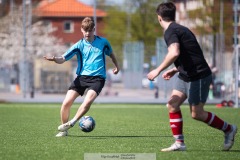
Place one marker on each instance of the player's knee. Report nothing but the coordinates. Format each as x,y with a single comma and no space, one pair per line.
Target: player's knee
66,104
172,108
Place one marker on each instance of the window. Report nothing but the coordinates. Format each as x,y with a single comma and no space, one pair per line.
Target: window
237,40
68,26
238,20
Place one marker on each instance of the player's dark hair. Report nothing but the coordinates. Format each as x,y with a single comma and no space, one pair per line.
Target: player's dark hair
167,11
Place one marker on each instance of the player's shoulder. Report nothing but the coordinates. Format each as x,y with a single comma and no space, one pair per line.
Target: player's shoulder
101,38
78,45
180,27
79,42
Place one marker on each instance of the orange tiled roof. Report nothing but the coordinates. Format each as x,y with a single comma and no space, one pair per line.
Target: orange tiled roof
66,8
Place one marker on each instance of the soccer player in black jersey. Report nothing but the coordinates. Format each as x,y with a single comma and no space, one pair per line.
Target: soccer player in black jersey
193,80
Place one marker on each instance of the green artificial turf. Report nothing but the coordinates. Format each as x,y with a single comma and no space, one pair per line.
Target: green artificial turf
28,132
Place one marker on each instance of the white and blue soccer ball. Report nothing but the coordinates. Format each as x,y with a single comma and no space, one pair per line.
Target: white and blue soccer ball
87,123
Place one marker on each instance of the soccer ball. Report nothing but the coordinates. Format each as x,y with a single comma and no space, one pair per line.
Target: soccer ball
87,123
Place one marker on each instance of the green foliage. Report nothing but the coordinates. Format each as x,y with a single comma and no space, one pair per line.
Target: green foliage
138,22
210,15
115,26
28,132
207,18
115,31
145,26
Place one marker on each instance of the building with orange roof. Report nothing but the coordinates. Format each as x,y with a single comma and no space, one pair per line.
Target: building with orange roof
66,17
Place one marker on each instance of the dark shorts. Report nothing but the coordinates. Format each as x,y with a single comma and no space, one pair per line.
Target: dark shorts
82,83
196,91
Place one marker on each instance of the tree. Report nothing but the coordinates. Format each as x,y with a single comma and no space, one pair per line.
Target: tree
209,16
38,38
135,21
115,30
20,58
145,26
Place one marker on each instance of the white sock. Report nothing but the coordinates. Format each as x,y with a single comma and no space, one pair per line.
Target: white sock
73,121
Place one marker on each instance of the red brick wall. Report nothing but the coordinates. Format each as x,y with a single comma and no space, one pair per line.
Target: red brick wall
73,37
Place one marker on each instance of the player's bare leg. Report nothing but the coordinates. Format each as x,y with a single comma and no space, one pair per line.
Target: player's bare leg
85,106
176,122
65,109
67,103
83,109
198,113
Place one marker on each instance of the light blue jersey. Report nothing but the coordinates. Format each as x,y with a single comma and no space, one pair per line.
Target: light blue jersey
90,56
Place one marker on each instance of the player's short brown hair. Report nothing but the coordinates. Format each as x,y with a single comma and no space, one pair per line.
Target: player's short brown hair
88,24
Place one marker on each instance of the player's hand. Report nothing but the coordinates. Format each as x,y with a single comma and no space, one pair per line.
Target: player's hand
168,74
115,70
49,58
152,75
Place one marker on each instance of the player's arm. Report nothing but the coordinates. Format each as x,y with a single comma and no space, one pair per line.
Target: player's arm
115,62
61,59
56,59
169,73
172,55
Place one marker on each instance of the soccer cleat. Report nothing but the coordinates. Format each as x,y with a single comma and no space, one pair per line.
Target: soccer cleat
62,134
175,147
65,126
229,138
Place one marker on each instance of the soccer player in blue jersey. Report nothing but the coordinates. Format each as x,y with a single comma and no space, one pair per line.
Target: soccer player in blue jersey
91,72
193,81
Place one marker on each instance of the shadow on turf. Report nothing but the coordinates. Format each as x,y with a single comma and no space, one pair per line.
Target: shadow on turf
216,150
231,150
234,150
105,137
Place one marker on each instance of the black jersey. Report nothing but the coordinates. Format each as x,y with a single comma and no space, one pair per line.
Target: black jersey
191,63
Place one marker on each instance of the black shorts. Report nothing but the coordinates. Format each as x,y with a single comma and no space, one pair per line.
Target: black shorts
81,83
